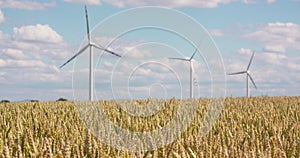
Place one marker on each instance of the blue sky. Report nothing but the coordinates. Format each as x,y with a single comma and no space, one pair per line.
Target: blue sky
36,37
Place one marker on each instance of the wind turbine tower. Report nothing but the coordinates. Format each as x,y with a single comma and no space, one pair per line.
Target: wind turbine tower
248,76
90,45
191,71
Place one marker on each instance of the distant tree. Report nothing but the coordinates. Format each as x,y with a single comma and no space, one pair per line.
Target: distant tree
5,101
35,101
62,99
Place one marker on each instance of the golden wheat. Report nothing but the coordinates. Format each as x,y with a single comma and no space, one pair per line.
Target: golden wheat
247,127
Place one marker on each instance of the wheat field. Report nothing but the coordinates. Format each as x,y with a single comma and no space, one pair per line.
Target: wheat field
247,127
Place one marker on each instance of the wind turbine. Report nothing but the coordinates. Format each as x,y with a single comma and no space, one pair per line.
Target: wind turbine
191,70
247,72
90,45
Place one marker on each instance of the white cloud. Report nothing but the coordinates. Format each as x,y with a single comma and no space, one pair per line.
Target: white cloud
273,58
15,59
140,74
26,4
2,63
38,41
135,53
245,51
85,1
14,53
30,70
274,48
26,71
265,57
255,1
28,60
294,65
37,33
1,17
25,64
1,37
249,1
271,1
284,35
170,3
216,32
272,72
165,3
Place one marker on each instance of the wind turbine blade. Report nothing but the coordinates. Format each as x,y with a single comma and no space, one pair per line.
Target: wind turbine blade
193,55
236,73
87,24
111,52
250,60
179,59
252,81
73,57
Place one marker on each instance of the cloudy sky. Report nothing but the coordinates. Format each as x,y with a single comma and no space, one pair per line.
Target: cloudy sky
36,37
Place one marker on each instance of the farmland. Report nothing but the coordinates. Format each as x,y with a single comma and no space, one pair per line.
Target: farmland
247,127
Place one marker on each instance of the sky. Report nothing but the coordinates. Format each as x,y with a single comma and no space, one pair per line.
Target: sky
37,37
